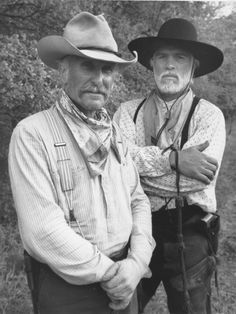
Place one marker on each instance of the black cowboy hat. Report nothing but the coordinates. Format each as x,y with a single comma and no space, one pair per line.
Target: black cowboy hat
181,33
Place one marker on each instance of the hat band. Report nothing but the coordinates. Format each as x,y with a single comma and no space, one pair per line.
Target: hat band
101,49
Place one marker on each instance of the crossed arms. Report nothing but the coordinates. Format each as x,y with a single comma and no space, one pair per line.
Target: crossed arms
199,160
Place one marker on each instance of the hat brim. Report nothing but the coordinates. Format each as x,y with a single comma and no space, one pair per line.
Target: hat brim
52,49
209,57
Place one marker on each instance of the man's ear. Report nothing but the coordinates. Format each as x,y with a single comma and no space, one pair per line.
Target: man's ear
63,70
64,73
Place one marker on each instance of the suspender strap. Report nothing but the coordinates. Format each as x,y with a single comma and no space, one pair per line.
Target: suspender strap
184,136
64,167
63,160
137,110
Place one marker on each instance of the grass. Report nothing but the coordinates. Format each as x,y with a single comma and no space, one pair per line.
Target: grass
14,293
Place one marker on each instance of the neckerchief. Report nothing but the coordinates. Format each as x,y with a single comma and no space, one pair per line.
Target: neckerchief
94,136
154,116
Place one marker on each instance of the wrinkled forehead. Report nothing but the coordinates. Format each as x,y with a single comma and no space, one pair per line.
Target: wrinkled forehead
175,49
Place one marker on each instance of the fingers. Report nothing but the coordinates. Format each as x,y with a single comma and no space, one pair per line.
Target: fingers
124,282
113,277
204,179
114,283
212,167
202,147
212,162
117,289
118,295
148,273
209,167
208,174
121,305
197,165
111,272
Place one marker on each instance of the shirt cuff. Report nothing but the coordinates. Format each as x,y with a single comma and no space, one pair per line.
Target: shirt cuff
143,267
105,263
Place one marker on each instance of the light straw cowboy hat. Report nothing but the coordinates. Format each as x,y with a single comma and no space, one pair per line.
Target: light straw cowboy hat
182,34
85,35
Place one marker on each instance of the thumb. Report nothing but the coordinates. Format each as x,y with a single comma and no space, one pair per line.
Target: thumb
110,273
148,274
202,147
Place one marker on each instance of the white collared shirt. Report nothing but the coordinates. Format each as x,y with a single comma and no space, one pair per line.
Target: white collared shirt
109,207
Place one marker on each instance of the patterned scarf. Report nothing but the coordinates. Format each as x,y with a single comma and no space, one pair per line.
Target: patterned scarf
95,136
155,113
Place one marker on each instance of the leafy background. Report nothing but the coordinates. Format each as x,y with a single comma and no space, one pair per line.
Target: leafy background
27,86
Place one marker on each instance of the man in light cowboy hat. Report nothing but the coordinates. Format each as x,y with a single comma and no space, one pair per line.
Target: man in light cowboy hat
177,142
83,216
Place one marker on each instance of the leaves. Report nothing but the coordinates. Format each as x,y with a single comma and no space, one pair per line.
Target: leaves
27,86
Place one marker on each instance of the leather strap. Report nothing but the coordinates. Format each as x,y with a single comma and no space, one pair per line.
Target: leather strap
184,136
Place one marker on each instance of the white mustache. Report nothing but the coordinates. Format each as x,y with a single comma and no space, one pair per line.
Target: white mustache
170,75
94,90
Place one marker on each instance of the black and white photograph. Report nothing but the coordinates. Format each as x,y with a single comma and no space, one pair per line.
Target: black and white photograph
117,157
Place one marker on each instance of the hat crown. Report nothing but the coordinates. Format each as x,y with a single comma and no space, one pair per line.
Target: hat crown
86,30
177,28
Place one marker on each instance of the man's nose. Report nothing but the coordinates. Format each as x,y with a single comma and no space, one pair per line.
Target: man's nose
170,64
98,75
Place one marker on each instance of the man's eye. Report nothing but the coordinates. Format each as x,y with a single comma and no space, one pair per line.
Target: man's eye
160,56
108,69
87,65
181,57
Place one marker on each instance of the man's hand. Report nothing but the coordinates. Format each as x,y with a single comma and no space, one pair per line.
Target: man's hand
115,303
120,282
195,164
118,305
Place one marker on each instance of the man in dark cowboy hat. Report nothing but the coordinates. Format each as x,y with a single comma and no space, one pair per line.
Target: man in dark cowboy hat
177,142
83,216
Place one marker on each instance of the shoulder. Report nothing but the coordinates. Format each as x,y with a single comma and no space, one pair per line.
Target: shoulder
32,126
131,105
207,109
128,108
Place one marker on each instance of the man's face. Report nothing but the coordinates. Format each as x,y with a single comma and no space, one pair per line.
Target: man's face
172,68
89,83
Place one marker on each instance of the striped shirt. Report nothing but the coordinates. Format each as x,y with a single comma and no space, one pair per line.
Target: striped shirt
111,208
207,123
